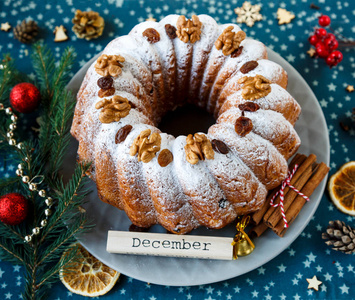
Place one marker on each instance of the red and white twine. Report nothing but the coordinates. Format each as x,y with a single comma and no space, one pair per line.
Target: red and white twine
285,182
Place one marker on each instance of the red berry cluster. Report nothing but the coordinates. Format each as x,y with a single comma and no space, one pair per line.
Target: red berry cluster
326,43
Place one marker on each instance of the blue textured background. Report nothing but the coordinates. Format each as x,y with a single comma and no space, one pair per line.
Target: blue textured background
285,276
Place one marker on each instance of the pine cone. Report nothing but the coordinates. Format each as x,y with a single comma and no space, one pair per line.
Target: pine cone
26,31
88,24
340,236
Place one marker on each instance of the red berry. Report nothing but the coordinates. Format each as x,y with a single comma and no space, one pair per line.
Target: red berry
321,50
313,40
338,56
324,20
330,61
334,58
331,36
330,43
320,32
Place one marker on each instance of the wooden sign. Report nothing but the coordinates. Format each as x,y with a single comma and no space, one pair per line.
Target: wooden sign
157,244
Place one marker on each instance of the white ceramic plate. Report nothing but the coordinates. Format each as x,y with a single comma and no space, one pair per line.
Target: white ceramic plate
312,129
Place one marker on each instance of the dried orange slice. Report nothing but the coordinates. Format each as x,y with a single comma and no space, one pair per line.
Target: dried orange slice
342,188
86,275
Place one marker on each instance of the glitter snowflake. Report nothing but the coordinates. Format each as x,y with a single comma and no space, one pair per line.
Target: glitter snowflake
248,14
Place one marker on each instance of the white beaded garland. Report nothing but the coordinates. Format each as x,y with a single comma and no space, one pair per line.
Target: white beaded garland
32,186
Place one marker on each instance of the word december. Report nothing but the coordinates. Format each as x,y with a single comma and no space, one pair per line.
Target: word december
178,245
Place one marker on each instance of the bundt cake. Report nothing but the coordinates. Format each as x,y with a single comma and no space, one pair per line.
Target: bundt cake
202,179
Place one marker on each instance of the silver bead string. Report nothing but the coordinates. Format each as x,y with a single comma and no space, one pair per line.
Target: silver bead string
33,183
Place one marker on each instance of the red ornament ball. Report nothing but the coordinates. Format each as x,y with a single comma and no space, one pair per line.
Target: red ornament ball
324,20
321,50
331,43
313,40
25,97
13,208
320,32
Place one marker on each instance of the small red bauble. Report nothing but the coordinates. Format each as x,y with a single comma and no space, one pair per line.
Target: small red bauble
331,43
320,32
13,208
324,20
321,50
331,36
25,97
313,40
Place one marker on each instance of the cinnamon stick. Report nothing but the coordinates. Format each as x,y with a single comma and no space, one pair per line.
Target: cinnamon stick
258,215
290,195
257,230
318,175
273,219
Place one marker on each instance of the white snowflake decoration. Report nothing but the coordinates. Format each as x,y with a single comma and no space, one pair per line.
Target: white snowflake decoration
248,14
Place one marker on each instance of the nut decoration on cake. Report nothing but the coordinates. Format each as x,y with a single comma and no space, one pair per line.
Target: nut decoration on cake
146,145
109,65
255,87
198,147
229,41
181,188
113,109
188,30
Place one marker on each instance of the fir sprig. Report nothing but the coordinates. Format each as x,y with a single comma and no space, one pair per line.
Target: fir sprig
41,257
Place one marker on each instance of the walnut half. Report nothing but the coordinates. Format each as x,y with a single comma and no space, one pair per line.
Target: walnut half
109,65
146,145
198,147
113,109
229,41
188,30
255,87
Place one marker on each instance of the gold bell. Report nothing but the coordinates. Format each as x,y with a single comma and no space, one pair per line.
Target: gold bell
243,247
242,244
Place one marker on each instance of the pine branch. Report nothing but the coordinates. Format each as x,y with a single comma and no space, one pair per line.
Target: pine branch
70,197
41,257
43,64
8,75
61,126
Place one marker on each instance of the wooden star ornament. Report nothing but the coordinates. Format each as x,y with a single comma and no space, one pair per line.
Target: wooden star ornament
5,26
60,35
350,88
313,283
248,14
151,19
284,16
311,52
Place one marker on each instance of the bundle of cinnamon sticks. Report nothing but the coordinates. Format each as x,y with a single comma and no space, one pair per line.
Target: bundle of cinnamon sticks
306,179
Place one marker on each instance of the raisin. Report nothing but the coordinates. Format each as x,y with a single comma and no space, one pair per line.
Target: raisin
105,93
243,126
122,134
249,66
132,104
170,31
165,157
105,83
152,35
249,106
220,147
237,52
